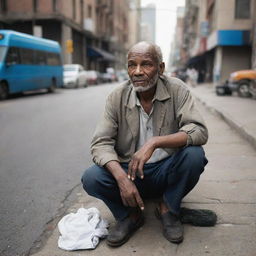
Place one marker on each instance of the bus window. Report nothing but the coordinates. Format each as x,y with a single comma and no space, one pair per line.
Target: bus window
13,56
40,58
27,56
53,59
2,53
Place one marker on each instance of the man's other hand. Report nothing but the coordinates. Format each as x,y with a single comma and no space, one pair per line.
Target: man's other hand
140,158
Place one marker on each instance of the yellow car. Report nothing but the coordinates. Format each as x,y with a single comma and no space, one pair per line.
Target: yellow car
243,82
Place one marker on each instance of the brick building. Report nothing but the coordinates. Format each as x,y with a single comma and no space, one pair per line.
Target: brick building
98,29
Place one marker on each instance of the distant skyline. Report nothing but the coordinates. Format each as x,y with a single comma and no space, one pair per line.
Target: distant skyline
148,23
165,22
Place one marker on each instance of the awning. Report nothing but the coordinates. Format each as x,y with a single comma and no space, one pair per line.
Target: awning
99,53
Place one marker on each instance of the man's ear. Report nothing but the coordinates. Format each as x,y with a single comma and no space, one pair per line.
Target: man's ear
162,67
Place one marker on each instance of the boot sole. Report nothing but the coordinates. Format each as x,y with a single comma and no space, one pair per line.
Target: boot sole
198,217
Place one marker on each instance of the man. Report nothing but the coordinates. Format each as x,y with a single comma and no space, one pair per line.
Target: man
147,144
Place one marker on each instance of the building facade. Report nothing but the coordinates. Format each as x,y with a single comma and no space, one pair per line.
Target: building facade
93,33
218,37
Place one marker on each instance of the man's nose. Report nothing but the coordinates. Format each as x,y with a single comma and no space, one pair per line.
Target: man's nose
138,70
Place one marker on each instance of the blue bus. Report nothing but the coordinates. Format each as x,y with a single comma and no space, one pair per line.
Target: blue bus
28,63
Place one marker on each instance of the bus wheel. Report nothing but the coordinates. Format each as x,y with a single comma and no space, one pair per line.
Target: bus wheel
3,91
53,86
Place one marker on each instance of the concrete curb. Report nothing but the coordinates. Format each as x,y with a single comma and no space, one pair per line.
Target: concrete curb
228,119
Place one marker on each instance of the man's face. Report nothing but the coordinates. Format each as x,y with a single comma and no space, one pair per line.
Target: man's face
143,68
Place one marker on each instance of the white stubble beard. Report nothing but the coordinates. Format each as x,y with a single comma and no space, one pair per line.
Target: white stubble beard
152,82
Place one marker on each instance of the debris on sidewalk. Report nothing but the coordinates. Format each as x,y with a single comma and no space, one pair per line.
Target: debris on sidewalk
82,230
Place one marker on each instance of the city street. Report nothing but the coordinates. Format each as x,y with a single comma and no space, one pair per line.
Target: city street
59,60
44,149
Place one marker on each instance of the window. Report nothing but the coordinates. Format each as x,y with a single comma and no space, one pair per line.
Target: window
74,8
3,6
2,52
53,59
40,58
27,56
242,9
13,56
54,5
35,5
82,11
89,11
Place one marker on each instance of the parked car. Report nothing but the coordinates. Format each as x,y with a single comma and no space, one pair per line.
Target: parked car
243,82
122,75
93,77
74,76
107,78
223,89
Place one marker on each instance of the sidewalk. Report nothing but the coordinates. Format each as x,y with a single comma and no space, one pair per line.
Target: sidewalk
238,112
227,186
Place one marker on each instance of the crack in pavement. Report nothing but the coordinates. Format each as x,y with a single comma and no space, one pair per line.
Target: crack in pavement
214,199
52,223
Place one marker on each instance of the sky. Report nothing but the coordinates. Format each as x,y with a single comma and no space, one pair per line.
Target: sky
165,22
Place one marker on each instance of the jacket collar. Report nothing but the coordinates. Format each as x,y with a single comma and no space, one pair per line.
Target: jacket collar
161,93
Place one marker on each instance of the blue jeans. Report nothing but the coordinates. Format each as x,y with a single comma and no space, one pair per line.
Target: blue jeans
171,178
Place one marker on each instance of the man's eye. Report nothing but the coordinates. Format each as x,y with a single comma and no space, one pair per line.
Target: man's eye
147,64
131,65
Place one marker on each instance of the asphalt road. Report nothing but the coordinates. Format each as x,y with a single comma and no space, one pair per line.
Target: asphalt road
44,148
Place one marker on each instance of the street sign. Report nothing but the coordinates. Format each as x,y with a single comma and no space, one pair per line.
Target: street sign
69,46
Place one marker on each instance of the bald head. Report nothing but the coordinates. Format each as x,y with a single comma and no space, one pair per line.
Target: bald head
148,49
145,65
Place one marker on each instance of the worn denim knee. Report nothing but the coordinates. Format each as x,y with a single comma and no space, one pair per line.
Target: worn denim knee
92,179
195,156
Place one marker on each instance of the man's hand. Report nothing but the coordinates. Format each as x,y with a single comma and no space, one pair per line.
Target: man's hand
128,191
140,158
130,194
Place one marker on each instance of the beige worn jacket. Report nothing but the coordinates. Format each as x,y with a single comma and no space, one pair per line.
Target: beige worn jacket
117,133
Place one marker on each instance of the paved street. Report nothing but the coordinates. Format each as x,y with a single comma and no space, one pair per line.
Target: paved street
44,142
227,186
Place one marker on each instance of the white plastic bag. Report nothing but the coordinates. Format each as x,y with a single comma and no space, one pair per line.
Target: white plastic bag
82,230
